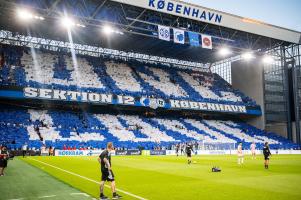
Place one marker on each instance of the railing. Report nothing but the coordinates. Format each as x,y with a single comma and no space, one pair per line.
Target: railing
10,38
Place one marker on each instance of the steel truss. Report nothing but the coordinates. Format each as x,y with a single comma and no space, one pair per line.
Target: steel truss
7,37
139,21
280,107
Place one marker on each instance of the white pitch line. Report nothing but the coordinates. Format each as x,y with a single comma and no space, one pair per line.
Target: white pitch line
49,196
17,199
80,193
91,180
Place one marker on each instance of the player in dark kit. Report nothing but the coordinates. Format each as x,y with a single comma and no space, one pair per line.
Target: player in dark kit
106,172
3,159
266,154
188,152
177,149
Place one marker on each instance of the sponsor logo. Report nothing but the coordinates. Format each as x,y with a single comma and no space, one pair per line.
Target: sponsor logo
71,153
217,152
207,42
127,152
157,152
164,33
179,36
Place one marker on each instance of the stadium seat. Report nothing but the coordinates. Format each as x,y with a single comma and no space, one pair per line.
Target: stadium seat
55,70
59,128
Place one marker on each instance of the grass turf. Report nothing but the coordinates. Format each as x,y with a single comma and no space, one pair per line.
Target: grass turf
25,182
170,177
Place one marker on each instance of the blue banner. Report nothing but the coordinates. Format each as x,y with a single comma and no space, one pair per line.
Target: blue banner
106,98
194,39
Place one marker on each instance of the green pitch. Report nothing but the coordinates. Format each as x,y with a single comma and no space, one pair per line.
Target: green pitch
166,177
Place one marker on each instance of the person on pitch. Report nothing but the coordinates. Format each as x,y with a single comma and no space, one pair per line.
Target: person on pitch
253,150
182,148
106,172
24,150
266,153
177,149
240,154
3,159
188,152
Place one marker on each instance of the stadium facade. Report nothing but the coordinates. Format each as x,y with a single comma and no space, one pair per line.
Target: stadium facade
81,87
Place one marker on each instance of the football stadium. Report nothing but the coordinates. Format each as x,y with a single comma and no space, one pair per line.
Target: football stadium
146,100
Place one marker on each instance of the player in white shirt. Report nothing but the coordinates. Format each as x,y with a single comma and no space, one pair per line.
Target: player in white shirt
240,154
253,150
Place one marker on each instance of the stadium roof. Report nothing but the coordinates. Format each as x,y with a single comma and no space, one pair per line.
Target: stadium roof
199,13
138,20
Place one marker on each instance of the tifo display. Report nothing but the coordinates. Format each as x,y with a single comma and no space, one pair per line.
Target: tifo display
56,129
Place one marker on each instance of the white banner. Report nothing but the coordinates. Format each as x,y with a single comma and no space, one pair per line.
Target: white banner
179,36
206,41
164,33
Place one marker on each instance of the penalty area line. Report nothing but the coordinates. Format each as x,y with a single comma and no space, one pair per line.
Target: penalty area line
88,179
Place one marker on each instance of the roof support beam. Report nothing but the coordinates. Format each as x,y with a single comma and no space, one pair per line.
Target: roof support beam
137,18
52,7
97,9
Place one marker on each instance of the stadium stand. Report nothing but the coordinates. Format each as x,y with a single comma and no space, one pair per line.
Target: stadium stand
24,67
58,128
39,68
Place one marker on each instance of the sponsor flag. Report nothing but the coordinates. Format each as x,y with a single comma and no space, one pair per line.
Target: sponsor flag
178,36
194,39
164,33
206,41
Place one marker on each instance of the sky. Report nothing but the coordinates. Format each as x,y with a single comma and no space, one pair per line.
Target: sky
284,13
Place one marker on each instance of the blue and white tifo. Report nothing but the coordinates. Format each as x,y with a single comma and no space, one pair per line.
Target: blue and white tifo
130,83
18,127
107,81
144,74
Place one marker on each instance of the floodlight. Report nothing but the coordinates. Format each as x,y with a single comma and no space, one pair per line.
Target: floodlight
24,14
81,25
107,29
248,56
224,51
267,59
118,32
67,22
